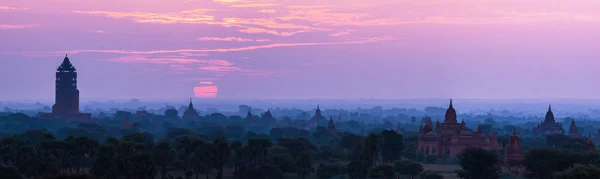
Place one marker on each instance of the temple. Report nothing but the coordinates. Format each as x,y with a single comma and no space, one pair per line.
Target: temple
450,137
249,117
268,118
190,113
514,156
318,118
331,125
398,129
573,132
549,126
66,104
590,147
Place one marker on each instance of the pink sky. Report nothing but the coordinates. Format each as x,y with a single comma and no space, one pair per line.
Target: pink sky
157,49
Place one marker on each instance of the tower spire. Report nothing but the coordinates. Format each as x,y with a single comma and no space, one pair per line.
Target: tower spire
514,131
451,104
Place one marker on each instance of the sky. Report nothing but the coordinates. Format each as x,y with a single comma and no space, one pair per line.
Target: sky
292,49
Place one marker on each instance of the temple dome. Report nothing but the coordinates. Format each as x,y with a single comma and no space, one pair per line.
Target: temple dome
549,116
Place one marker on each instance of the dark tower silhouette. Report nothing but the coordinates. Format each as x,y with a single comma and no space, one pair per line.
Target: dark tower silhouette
573,132
319,118
331,125
67,94
66,104
590,147
190,113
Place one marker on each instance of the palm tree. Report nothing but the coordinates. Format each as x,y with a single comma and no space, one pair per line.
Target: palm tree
163,155
221,154
238,157
201,157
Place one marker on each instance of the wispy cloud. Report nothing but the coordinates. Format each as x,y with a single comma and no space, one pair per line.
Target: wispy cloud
10,26
100,32
270,11
255,5
230,39
255,47
11,8
206,83
183,64
199,16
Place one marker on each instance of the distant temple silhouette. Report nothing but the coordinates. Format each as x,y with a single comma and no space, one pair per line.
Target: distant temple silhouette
66,104
190,113
549,126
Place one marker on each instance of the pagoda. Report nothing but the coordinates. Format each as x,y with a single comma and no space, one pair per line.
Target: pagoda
549,126
268,118
249,117
66,104
318,118
190,113
573,132
331,125
590,147
399,130
514,155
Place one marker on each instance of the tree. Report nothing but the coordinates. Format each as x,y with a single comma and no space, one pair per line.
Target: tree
478,163
364,156
285,162
578,171
304,164
327,170
163,155
202,159
221,154
10,172
172,114
381,171
391,145
407,167
542,162
296,145
430,175
258,149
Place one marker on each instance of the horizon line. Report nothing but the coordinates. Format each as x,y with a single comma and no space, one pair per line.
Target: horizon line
298,99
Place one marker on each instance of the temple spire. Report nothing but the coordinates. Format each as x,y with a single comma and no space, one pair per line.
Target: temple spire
66,65
514,132
190,106
451,104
